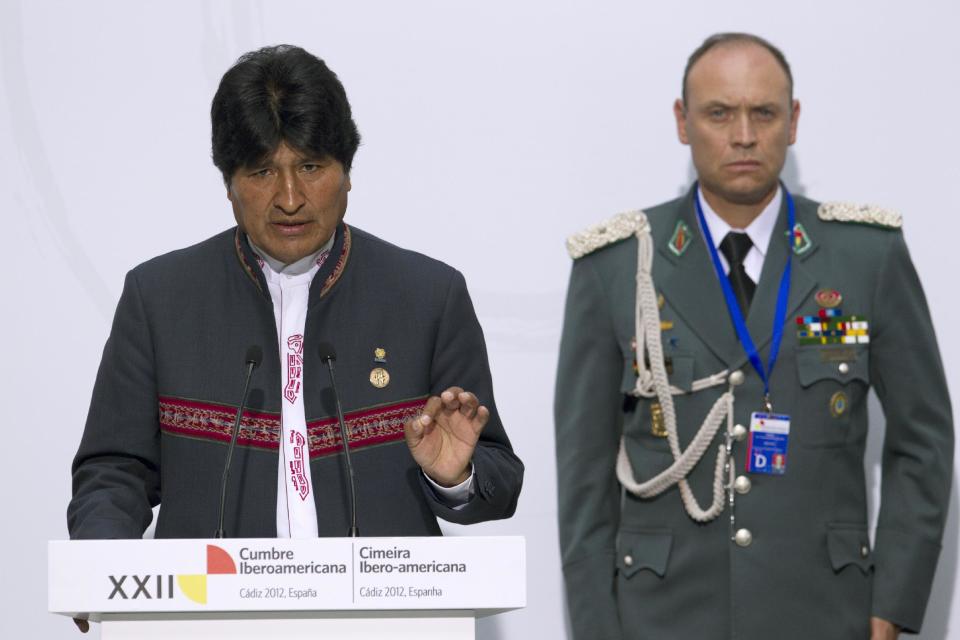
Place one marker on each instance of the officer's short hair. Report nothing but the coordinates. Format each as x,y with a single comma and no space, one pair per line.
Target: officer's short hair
280,94
736,38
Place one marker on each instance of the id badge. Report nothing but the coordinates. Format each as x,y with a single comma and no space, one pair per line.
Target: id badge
767,446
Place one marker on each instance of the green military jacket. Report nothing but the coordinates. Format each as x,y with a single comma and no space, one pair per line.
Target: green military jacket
642,568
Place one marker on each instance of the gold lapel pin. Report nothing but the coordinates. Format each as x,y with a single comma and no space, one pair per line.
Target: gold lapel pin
379,378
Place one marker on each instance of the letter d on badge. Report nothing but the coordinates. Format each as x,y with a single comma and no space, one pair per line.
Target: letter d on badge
759,461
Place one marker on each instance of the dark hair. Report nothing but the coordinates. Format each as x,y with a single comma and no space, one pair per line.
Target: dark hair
735,38
280,94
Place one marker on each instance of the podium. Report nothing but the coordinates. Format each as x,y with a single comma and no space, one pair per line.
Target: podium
357,588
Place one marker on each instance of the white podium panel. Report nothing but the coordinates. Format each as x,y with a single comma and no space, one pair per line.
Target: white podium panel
308,628
329,587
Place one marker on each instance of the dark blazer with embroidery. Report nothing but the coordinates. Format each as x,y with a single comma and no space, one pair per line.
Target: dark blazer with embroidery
172,371
640,568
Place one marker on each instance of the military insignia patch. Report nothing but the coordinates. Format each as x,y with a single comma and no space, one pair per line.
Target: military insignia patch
681,239
379,378
838,404
658,428
830,326
828,298
799,240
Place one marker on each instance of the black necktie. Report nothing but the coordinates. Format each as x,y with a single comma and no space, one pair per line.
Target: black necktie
735,247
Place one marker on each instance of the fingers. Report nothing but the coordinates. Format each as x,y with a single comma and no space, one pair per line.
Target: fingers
483,415
438,409
82,624
456,399
414,428
451,398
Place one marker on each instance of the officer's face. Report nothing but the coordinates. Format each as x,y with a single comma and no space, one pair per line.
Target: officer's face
291,204
738,120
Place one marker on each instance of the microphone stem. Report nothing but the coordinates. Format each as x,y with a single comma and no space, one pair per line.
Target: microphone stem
233,444
353,532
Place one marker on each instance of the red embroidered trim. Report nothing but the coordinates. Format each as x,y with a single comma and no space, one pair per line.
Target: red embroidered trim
331,279
215,422
366,427
341,262
243,260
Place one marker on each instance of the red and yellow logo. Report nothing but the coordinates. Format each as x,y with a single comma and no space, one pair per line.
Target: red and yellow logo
194,586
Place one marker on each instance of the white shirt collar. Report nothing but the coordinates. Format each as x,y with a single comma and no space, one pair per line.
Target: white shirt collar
760,232
301,266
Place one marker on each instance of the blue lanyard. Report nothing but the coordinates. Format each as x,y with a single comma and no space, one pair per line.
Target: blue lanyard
736,315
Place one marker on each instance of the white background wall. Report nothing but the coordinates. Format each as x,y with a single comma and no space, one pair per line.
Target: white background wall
491,131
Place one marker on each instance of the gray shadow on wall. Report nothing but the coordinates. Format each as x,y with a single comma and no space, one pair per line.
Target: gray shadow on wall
937,620
489,628
41,178
226,38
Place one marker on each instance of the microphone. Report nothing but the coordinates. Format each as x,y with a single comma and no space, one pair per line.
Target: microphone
328,355
251,362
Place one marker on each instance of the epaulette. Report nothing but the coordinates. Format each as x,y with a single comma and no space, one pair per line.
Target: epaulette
619,227
861,213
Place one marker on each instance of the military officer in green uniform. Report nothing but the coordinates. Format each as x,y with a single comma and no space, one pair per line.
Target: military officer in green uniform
711,401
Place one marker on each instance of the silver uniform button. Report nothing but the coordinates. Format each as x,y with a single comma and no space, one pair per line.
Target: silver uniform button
736,378
739,432
743,537
864,551
628,560
844,368
742,485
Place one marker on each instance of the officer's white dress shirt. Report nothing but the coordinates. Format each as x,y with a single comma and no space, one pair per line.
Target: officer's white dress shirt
760,232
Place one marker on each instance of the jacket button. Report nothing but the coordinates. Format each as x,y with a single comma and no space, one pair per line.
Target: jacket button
864,551
843,368
736,378
742,485
628,560
739,432
743,537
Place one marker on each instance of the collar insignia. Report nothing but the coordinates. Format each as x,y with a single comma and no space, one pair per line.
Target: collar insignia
800,240
681,239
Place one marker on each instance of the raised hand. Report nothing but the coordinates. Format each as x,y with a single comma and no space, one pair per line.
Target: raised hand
442,438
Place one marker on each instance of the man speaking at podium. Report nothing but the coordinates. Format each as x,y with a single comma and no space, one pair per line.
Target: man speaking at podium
289,292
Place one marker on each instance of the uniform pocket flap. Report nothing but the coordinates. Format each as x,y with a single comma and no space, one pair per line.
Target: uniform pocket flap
644,550
842,364
849,544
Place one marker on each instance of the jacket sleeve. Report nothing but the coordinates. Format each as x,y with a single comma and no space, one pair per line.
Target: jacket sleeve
917,460
116,476
587,414
460,359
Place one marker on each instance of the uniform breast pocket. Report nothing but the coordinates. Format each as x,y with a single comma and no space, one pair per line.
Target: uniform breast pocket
833,385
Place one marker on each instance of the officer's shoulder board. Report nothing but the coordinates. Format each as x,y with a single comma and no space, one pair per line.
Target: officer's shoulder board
860,214
619,227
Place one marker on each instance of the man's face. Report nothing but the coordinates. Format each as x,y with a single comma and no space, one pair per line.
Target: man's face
738,120
291,204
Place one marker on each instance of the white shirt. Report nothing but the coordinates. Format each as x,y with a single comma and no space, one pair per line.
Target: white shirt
289,286
760,231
